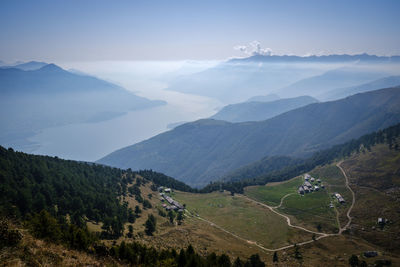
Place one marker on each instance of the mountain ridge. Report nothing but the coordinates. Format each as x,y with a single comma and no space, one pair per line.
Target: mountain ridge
385,82
205,150
258,111
71,98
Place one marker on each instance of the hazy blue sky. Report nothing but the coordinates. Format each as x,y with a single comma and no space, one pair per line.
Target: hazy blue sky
174,30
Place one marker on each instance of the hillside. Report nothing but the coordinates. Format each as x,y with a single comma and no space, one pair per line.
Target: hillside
375,177
99,215
218,222
205,150
385,82
258,111
71,98
372,174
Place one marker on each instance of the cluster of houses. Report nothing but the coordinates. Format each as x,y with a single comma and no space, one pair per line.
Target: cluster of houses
339,197
170,204
310,184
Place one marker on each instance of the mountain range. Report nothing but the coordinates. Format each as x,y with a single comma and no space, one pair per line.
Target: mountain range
236,80
31,65
338,93
206,150
331,80
264,98
51,96
319,59
259,111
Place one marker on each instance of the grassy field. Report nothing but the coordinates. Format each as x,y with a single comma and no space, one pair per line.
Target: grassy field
271,194
335,182
311,210
243,218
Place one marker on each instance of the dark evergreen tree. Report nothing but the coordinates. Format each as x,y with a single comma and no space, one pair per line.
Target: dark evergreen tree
182,258
238,263
171,216
275,257
255,261
150,225
353,260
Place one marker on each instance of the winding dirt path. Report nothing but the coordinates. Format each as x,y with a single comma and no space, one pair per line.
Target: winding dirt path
352,202
282,199
282,215
272,208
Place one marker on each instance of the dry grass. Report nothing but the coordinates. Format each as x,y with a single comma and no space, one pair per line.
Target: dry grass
244,218
375,178
34,252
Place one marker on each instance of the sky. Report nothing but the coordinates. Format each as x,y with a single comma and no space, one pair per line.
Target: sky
89,30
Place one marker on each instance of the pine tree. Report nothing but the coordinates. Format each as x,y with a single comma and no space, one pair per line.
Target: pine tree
275,257
238,263
150,225
353,260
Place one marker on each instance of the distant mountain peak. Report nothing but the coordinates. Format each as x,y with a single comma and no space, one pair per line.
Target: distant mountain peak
34,62
51,67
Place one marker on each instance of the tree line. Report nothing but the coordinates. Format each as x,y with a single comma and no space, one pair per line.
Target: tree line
387,136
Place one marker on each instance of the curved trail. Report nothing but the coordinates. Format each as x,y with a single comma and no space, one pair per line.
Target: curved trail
353,200
255,243
272,208
283,198
285,216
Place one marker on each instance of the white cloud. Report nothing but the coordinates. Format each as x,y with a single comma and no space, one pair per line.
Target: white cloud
241,48
253,49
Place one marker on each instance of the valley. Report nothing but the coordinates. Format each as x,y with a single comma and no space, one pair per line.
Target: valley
199,133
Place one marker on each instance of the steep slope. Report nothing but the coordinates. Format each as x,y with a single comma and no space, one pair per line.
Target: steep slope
52,96
375,178
68,213
279,168
258,111
205,150
386,82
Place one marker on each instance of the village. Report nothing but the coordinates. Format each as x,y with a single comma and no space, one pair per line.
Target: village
170,204
311,184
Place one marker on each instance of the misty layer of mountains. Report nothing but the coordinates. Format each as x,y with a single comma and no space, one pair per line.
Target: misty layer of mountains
235,80
205,150
258,111
277,110
37,95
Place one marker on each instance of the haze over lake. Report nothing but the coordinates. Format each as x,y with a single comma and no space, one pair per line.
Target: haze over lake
145,78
